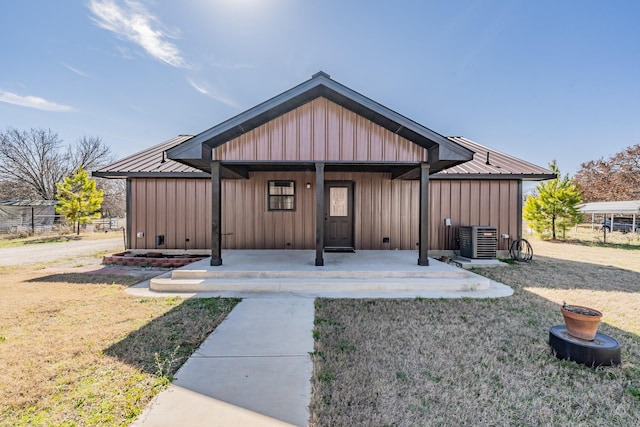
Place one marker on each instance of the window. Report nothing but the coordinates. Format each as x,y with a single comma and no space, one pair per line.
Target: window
338,201
281,196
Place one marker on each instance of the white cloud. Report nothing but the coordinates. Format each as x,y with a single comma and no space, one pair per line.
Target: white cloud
198,87
32,102
75,70
131,21
213,93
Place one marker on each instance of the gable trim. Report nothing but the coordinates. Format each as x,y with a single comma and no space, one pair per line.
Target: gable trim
442,152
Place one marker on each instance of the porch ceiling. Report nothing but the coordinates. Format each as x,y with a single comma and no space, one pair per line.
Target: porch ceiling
443,153
398,170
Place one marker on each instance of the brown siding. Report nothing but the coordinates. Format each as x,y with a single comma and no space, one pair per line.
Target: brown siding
469,202
248,224
180,209
320,130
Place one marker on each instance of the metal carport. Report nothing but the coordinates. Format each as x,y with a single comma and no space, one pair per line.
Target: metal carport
627,207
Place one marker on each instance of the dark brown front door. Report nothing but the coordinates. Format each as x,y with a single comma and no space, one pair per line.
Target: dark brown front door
338,215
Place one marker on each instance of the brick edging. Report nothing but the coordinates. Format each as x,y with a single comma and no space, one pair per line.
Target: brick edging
147,261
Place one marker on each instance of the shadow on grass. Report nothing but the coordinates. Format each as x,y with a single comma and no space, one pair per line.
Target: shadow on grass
96,277
565,274
52,239
578,242
161,346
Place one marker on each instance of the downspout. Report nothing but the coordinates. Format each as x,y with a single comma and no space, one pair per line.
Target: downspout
519,211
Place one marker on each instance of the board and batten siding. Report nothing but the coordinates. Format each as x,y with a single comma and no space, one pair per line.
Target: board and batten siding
177,208
320,130
383,208
180,210
472,202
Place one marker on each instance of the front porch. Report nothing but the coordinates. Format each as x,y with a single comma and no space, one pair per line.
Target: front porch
362,274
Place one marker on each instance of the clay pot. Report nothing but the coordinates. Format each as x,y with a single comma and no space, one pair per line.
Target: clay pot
579,325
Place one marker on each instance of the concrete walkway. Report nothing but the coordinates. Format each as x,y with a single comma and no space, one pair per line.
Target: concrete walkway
254,370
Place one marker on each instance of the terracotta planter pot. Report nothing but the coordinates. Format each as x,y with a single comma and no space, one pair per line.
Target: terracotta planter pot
582,326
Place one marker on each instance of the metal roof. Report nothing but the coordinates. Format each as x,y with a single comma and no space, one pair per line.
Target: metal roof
151,162
491,164
623,207
443,153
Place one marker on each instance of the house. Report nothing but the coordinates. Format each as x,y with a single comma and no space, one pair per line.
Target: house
321,167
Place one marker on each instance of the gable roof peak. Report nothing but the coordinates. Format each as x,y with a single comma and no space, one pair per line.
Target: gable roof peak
443,153
320,74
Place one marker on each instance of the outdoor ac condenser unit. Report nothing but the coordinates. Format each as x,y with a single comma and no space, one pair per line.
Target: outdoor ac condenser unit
478,242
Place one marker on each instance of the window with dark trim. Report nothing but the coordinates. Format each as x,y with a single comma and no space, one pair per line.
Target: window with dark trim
281,196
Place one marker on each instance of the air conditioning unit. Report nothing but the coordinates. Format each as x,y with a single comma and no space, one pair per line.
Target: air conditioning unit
478,242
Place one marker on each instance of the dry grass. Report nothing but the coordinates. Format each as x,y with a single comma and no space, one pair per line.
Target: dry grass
585,235
75,349
16,240
483,362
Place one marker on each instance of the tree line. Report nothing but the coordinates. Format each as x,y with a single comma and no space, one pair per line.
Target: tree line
554,205
33,163
614,179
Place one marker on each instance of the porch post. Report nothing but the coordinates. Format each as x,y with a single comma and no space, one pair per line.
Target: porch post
319,213
216,214
423,242
129,203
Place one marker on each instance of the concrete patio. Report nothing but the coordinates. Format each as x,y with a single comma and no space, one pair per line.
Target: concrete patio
361,274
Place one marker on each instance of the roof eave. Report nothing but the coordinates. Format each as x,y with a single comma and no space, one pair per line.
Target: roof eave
124,175
489,176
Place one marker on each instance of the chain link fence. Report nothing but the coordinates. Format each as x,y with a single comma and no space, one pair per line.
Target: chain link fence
29,223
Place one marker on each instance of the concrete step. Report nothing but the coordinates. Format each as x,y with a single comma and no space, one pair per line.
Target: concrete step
320,285
333,274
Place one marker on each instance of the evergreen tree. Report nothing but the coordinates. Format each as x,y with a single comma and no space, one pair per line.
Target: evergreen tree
555,205
78,198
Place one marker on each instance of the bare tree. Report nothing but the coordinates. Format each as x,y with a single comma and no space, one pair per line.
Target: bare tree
115,194
33,158
33,161
89,152
11,190
616,178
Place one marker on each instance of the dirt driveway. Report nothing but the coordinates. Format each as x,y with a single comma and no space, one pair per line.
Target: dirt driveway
53,251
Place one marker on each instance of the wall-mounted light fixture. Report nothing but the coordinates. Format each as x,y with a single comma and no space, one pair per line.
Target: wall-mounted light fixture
447,222
308,185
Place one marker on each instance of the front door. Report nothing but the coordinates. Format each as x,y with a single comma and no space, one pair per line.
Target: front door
338,215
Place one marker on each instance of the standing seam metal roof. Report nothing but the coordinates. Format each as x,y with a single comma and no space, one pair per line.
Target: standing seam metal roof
497,165
148,163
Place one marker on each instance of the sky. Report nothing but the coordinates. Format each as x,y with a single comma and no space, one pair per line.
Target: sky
539,80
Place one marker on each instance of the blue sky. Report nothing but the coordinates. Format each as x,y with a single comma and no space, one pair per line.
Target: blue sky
540,80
